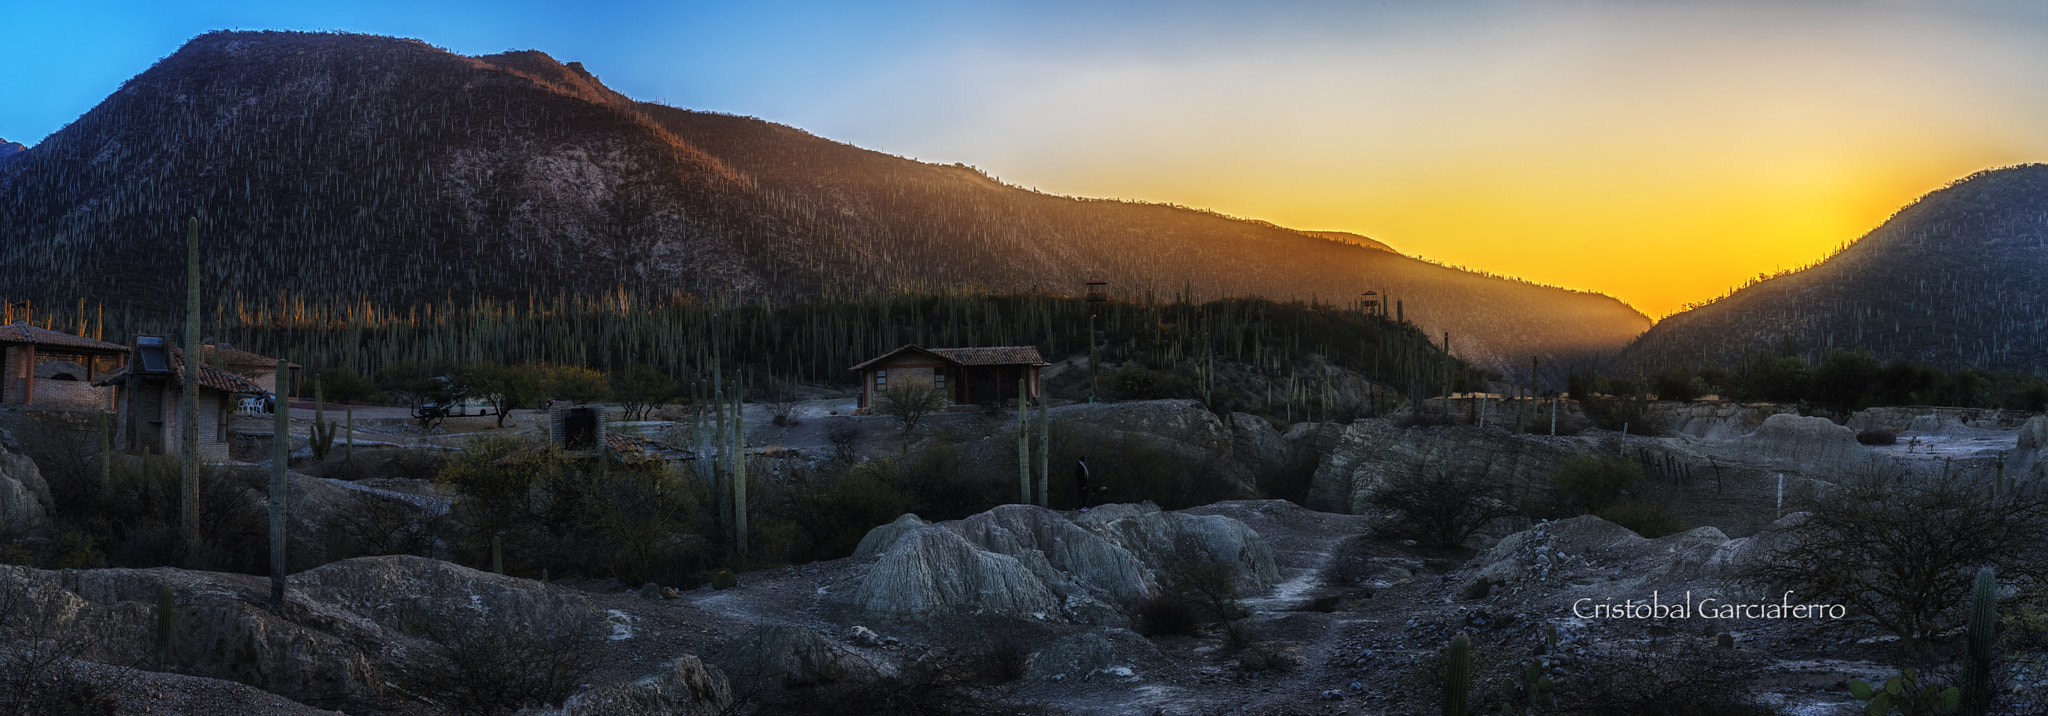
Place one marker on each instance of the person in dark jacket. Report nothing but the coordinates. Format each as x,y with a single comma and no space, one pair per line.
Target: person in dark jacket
1081,481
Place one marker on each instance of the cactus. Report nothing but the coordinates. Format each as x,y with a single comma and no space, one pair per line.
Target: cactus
1977,661
106,453
280,457
1904,692
350,446
322,439
1457,675
163,626
1023,445
188,402
739,475
498,553
1044,452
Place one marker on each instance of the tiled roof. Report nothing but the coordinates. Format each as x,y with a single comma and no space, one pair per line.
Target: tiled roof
241,361
993,355
988,355
20,332
209,377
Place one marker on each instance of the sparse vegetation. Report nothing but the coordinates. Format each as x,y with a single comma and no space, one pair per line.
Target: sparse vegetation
1443,509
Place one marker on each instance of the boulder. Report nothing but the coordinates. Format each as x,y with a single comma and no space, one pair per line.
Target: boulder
2034,434
1102,653
784,655
1372,452
1025,561
880,539
1806,445
1262,449
683,687
24,496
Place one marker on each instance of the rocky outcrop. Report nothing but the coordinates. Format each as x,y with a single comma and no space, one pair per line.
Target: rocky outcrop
1806,445
683,687
1551,551
1102,653
1371,452
783,655
343,630
880,539
24,496
1185,430
1025,561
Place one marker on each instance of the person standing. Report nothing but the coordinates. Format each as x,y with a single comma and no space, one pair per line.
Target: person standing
1081,481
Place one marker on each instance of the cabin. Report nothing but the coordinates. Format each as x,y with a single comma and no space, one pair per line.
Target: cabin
257,368
148,391
969,376
46,368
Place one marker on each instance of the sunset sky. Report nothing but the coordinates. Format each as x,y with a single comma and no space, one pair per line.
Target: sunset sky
1659,152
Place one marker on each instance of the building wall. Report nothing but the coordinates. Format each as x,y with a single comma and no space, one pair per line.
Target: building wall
908,366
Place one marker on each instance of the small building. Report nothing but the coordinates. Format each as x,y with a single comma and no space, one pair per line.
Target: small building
148,391
258,368
969,376
46,368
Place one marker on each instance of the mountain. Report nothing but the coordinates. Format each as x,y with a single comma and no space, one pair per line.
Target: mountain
10,150
1958,278
1346,237
351,167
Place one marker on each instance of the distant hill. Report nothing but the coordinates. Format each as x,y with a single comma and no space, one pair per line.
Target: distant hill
351,167
1958,278
10,150
1346,237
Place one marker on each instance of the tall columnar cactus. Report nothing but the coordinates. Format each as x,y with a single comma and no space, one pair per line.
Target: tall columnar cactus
188,402
1977,661
322,439
349,447
739,475
280,458
164,605
1457,675
1023,445
1044,451
106,453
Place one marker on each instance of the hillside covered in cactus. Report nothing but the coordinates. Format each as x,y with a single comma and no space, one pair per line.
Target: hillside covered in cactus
353,168
1958,278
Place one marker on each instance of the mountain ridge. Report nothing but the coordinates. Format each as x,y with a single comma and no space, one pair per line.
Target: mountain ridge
1956,278
346,166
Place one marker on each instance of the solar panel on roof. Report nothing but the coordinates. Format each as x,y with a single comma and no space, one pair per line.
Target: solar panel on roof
150,351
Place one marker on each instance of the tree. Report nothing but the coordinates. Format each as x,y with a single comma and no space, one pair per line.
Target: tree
1901,550
1442,508
574,383
642,388
428,392
501,385
910,401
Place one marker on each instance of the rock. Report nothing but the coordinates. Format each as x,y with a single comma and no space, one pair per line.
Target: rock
864,636
683,687
880,539
1333,695
2034,434
1098,653
1024,561
1371,452
1806,445
1251,661
24,496
1256,444
784,655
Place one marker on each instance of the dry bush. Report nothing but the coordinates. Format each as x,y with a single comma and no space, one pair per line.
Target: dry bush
1648,519
486,670
1901,550
1441,508
43,659
1877,436
1164,613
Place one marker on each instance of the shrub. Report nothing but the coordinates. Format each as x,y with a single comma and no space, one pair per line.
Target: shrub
1134,382
1687,678
471,669
1877,436
1592,484
1901,551
909,401
1442,508
1163,614
1648,519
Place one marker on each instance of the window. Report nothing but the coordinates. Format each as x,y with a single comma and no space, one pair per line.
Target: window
221,425
939,378
881,379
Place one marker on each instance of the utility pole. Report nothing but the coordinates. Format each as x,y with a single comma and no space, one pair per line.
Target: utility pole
1095,300
280,457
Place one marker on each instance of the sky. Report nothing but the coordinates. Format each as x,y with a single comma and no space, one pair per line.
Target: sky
1658,152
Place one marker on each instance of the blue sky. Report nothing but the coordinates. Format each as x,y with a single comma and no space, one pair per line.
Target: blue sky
1656,151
